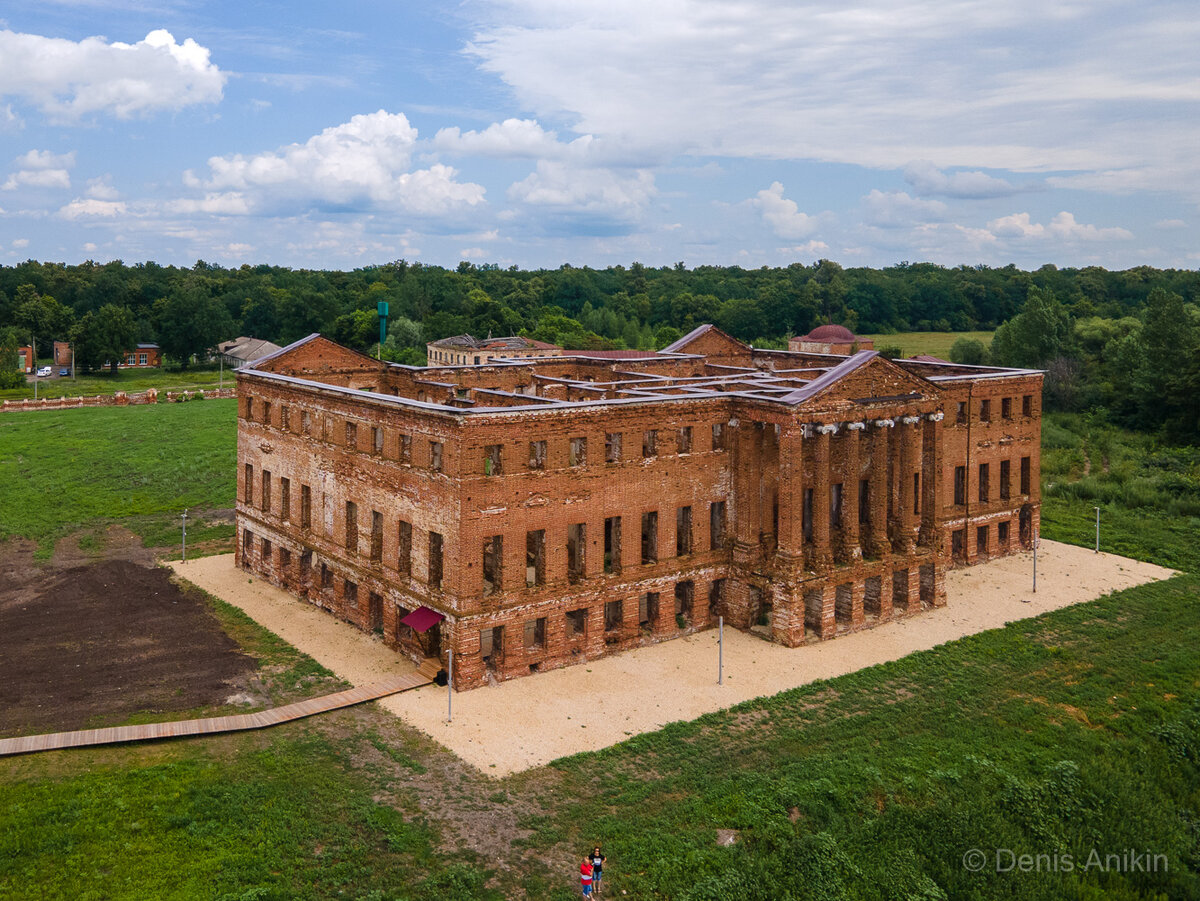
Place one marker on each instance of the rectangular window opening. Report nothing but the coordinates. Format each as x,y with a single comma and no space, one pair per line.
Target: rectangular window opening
718,436
285,498
984,487
716,524
960,485
683,531
435,456
535,558
537,454
493,563
612,447
305,507
376,536
650,537
576,623
612,544
684,440
351,526
576,551
535,633
435,560
578,452
404,548
716,594
492,460
650,443
614,614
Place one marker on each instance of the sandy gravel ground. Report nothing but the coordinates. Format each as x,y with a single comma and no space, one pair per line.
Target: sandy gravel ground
528,722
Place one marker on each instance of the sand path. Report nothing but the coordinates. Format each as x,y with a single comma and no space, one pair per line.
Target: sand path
528,722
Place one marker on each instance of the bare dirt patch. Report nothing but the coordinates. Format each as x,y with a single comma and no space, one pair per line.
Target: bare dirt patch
89,645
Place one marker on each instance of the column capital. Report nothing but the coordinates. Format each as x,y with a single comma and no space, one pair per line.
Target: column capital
910,420
856,426
828,428
935,417
884,423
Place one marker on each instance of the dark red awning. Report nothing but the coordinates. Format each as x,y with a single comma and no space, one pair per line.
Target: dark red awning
423,619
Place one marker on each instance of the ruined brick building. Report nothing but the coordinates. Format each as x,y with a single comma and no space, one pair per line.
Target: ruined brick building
531,514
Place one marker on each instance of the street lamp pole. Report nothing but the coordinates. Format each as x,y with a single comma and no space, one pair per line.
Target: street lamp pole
184,560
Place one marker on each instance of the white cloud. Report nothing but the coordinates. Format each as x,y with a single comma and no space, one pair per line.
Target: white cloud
41,169
782,214
362,163
555,184
71,79
1023,85
1062,227
472,253
508,139
91,208
20,242
89,246
1170,224
926,178
230,203
101,188
894,209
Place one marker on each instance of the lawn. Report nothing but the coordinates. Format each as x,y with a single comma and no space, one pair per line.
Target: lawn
66,470
127,380
936,344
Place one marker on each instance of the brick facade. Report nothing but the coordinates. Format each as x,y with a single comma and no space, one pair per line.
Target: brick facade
557,510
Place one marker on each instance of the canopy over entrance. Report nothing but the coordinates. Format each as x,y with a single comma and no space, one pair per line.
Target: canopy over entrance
423,619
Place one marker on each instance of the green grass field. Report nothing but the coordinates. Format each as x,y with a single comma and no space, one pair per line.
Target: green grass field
936,344
1075,732
67,470
128,380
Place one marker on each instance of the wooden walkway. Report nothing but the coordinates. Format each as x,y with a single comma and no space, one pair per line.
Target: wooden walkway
149,731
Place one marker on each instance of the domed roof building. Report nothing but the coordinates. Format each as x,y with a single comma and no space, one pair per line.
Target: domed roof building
830,339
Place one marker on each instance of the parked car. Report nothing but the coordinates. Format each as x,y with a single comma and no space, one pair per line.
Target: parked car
45,372
64,371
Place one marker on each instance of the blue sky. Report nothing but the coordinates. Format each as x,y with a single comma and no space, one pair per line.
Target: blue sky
596,132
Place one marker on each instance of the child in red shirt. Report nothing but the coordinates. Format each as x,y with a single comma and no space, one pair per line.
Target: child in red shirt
585,877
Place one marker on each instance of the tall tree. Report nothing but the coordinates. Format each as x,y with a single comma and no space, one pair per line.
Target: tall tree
104,337
190,321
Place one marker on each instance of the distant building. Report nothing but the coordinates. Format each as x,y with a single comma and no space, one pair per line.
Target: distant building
830,339
143,356
243,350
62,353
466,350
25,360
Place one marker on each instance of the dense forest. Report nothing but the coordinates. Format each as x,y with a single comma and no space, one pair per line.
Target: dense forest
1127,342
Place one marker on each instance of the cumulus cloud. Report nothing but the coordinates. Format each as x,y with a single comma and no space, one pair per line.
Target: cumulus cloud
926,178
1062,227
360,164
41,169
68,80
90,208
555,184
1023,85
512,138
101,188
894,209
782,214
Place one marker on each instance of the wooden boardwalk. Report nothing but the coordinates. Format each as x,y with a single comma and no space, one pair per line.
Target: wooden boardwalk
211,725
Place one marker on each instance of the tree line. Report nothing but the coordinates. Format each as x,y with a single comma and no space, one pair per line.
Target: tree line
1094,329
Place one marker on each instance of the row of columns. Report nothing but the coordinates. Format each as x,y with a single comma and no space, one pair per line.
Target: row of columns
897,449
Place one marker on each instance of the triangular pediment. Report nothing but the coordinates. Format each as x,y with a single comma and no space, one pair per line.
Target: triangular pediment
710,341
314,355
863,379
